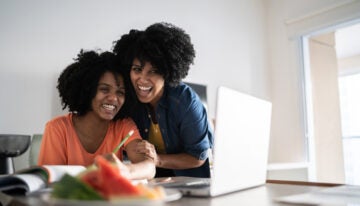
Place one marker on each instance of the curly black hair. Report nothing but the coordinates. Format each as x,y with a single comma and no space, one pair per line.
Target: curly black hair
164,45
78,82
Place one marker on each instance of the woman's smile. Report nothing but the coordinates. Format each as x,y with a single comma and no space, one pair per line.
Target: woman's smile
109,107
147,81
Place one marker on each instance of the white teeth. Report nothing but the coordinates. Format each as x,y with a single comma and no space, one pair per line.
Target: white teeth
144,88
108,106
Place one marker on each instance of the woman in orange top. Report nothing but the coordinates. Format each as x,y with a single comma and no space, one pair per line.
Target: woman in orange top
93,88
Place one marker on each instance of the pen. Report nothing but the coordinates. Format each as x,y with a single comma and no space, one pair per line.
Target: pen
123,141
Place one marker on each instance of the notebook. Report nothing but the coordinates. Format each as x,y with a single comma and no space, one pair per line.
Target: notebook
240,152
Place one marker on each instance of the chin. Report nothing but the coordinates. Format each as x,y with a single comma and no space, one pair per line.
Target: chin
143,100
108,117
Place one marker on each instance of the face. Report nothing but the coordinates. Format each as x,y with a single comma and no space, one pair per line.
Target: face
147,82
110,96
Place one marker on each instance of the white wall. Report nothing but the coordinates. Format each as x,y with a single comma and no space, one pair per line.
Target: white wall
250,45
39,38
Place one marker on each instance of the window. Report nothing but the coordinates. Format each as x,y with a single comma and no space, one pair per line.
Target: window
349,87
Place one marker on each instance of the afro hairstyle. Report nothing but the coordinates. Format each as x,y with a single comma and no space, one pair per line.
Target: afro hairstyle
78,82
164,45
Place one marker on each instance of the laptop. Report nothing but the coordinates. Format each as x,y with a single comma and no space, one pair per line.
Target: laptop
240,152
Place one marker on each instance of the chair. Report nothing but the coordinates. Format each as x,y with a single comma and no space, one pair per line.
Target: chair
11,145
35,149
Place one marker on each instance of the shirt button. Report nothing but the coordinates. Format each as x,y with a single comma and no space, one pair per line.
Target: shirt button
203,155
146,130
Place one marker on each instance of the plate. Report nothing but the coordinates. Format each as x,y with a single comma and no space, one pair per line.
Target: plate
170,195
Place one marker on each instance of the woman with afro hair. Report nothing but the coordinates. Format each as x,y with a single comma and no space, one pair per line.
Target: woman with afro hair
94,90
170,116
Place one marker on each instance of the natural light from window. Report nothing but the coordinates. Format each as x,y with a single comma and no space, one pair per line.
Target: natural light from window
349,87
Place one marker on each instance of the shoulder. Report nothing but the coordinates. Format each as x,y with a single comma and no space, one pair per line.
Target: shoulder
183,97
59,129
60,121
182,93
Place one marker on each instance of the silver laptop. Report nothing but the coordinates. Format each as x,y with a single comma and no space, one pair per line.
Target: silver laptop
240,152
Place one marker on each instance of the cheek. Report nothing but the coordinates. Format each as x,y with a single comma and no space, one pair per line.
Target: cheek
160,83
121,101
93,102
132,77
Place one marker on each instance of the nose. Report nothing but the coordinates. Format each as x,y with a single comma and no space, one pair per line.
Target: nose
112,97
144,76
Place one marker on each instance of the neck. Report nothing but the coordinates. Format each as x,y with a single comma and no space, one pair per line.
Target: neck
90,131
90,126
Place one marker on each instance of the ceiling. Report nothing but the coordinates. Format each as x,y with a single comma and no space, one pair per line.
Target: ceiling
348,41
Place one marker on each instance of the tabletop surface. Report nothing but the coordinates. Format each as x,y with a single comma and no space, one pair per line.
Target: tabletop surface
260,196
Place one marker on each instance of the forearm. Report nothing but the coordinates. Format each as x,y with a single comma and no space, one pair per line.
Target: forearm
141,167
178,161
142,170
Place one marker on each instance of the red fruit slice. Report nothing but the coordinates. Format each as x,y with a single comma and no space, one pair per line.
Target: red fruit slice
111,181
92,178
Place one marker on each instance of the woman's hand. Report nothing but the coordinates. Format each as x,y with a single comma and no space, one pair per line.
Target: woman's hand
124,170
148,150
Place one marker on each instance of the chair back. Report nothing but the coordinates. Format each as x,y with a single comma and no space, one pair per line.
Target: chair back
35,149
12,145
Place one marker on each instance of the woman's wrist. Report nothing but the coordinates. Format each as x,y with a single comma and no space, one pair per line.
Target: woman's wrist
158,160
141,170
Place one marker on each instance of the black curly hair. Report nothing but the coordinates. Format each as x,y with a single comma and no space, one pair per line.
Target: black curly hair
78,82
164,45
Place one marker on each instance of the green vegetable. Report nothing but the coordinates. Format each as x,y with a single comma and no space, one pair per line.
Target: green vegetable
70,187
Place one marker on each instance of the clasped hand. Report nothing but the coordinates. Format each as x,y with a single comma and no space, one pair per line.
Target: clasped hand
148,150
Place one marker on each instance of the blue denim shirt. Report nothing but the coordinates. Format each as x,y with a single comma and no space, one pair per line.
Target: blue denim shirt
184,126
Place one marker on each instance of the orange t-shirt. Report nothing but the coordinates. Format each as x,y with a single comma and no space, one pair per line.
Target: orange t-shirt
61,146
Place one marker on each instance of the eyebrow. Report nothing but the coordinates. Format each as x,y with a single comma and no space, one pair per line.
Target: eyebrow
104,84
142,66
